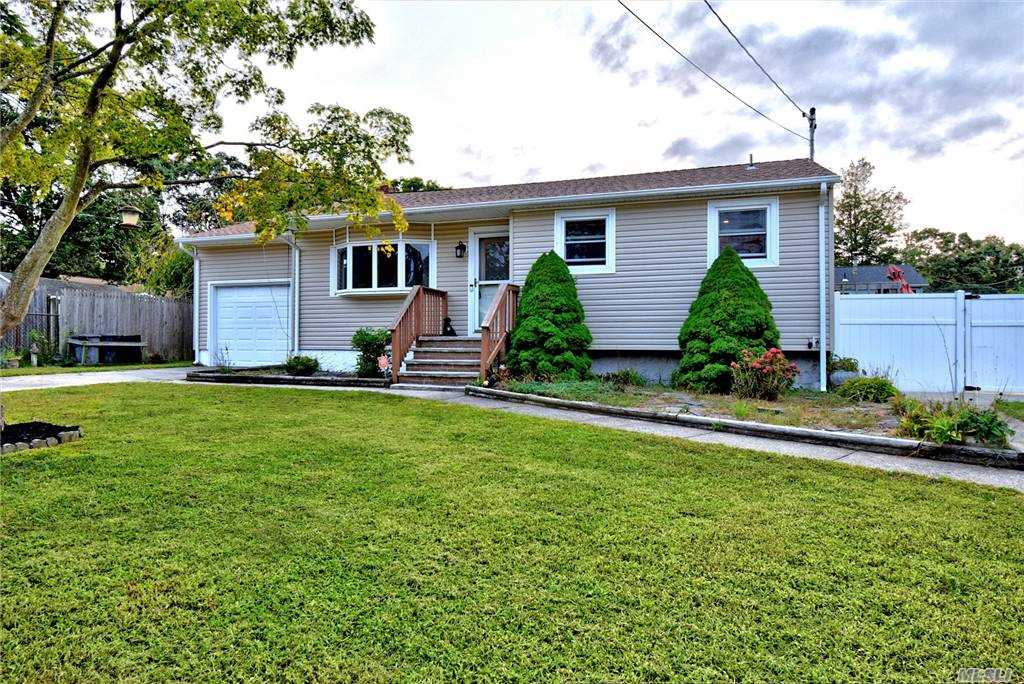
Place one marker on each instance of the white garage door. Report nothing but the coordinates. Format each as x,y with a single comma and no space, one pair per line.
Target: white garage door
251,325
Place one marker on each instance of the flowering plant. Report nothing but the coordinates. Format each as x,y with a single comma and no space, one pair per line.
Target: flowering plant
762,377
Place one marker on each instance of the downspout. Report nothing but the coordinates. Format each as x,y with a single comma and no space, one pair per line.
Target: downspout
194,253
823,261
289,239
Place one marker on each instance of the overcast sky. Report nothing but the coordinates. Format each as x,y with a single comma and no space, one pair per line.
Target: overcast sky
931,93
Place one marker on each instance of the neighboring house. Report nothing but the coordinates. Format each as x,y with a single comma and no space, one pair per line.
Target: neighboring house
638,244
876,279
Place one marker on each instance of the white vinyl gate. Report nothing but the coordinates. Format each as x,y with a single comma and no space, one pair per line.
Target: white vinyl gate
935,342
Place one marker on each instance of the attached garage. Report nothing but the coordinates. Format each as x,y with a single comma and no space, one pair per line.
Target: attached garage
250,324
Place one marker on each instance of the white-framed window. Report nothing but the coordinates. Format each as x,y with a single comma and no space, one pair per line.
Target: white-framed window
748,225
585,238
370,268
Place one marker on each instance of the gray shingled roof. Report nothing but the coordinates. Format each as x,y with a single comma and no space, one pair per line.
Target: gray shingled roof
682,178
864,275
789,169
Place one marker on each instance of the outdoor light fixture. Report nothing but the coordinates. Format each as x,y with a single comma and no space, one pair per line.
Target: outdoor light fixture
130,215
460,250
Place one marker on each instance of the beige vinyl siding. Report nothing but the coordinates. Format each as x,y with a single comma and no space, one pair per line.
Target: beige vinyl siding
237,263
327,323
661,257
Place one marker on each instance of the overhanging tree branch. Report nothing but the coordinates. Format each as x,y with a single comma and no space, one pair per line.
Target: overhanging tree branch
42,89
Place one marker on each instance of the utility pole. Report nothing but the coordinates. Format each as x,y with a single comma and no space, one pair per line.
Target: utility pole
812,124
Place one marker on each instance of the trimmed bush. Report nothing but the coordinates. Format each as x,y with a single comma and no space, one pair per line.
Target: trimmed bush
301,365
372,343
551,338
731,313
762,377
873,388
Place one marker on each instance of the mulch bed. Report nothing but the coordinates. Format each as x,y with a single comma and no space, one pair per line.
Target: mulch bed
36,434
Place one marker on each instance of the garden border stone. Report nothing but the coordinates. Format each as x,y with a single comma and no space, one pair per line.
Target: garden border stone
215,375
975,455
62,437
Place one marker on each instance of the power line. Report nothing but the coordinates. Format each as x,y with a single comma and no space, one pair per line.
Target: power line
752,58
709,76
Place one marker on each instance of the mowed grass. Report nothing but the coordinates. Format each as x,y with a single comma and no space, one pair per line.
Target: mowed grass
53,370
207,532
1011,408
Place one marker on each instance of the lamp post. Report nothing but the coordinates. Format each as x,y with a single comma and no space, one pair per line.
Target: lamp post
130,215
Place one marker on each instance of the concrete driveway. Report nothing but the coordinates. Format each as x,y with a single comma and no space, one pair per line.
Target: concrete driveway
28,382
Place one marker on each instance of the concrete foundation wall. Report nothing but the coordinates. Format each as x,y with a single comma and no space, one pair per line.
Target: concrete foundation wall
657,367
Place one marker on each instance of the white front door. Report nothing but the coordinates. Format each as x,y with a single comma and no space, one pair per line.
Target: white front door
488,269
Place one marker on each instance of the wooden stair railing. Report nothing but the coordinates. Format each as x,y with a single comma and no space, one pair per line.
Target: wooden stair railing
496,329
422,313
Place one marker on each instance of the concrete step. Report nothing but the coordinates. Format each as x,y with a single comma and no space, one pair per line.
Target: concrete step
437,377
436,342
427,388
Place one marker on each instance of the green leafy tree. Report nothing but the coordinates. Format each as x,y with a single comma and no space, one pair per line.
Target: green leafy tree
952,261
550,339
867,219
95,245
414,184
731,313
131,106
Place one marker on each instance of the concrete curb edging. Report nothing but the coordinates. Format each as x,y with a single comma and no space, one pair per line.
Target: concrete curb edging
313,381
998,458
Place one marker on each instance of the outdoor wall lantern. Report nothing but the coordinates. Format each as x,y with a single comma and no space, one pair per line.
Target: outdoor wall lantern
130,215
460,250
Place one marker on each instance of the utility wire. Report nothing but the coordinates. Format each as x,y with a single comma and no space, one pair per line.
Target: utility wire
709,76
752,58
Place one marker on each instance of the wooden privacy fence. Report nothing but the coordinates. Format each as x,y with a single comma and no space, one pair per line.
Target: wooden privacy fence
165,324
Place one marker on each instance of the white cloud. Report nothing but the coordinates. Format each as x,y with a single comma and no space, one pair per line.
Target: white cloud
502,92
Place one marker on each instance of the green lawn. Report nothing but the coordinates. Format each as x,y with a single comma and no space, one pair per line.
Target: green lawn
207,532
1011,408
52,370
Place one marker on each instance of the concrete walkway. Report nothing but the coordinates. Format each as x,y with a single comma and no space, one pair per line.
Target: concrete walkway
28,382
996,477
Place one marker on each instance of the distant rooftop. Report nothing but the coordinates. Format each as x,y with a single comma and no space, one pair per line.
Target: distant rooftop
862,276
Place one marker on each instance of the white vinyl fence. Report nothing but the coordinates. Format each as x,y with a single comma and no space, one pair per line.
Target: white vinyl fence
935,342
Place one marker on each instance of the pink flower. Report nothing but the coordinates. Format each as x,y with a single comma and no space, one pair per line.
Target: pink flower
382,362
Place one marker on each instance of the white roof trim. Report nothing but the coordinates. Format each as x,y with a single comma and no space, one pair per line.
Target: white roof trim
319,219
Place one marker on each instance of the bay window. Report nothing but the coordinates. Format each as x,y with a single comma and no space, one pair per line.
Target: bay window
377,267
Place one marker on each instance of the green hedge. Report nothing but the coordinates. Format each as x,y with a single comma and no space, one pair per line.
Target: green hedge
731,313
550,339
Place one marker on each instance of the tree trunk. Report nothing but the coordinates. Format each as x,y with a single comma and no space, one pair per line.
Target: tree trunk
23,283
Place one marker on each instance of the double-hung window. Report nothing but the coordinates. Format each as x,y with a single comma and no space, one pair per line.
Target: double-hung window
749,226
377,267
585,238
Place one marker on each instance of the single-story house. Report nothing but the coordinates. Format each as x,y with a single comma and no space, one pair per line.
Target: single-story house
637,244
873,279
